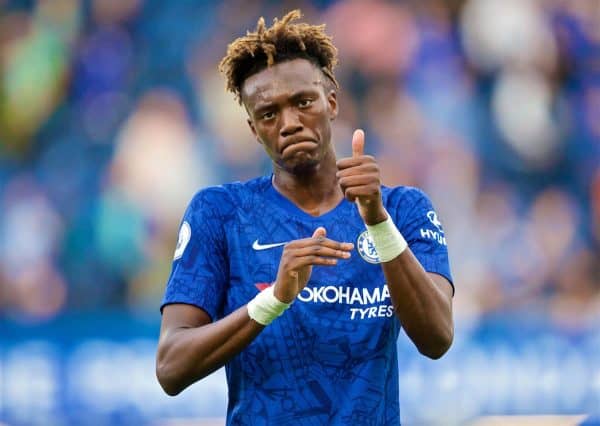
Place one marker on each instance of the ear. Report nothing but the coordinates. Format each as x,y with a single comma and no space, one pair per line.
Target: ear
333,105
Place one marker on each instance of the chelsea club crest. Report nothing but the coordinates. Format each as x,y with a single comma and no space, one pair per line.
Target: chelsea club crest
366,248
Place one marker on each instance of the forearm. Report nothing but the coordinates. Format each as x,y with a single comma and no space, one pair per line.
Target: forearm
188,354
423,309
191,347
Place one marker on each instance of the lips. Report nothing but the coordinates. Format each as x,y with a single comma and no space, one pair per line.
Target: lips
301,145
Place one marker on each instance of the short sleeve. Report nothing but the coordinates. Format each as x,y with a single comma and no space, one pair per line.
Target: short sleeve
420,225
200,273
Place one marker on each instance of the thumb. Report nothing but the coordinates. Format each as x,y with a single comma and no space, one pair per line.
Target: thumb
319,232
358,143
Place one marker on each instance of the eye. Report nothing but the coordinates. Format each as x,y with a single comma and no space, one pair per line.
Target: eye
268,115
304,103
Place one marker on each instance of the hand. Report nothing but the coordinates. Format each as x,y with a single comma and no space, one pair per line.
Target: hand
360,181
298,258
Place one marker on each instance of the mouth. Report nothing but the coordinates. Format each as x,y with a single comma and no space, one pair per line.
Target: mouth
296,147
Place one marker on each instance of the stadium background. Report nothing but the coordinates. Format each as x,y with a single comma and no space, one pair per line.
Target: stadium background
112,114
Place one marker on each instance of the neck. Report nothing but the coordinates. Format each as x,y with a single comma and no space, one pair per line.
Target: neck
316,191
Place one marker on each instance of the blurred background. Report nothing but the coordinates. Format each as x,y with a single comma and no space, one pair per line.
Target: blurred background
113,114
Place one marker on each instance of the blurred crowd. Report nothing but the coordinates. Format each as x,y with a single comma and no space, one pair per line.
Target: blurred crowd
113,114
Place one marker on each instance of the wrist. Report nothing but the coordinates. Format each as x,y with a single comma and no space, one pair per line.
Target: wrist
387,239
266,307
377,217
280,295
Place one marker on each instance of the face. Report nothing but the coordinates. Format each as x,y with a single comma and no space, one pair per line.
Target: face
290,113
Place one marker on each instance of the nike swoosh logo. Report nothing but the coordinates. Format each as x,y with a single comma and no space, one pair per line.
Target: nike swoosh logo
257,246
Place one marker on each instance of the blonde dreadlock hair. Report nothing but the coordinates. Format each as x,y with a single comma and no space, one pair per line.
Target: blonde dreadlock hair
283,41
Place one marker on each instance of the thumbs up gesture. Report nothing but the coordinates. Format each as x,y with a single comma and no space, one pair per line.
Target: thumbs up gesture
360,181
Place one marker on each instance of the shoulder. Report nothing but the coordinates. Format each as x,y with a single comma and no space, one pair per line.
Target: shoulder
407,196
247,188
407,203
213,201
226,194
224,198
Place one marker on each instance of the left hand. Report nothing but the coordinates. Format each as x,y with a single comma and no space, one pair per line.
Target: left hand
360,181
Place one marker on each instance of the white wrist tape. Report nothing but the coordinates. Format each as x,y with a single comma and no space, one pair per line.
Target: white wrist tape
388,241
265,307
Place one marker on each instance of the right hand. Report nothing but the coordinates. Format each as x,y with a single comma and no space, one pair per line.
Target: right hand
298,258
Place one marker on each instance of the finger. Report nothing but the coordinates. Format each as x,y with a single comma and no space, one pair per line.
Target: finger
345,163
326,242
364,191
358,143
362,168
320,233
301,262
319,250
358,180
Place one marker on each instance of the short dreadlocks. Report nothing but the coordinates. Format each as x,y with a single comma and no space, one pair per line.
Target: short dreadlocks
283,41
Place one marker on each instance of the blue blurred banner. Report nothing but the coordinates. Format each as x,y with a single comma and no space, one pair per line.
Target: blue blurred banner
99,369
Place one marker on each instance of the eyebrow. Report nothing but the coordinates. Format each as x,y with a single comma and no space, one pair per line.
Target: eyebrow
311,90
304,92
263,106
298,94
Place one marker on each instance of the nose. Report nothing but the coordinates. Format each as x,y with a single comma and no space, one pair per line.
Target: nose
290,122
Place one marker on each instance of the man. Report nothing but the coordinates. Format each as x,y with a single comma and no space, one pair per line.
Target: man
318,344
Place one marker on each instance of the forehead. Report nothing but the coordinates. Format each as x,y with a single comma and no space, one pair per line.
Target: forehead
281,79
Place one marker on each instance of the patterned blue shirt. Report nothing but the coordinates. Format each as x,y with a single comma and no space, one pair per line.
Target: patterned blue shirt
331,358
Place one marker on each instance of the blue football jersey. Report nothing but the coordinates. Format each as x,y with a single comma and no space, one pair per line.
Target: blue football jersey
331,358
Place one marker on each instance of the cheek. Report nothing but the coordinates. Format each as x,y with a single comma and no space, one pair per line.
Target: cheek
264,137
325,125
264,133
321,121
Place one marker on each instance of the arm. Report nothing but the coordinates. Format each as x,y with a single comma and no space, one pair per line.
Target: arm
422,300
190,347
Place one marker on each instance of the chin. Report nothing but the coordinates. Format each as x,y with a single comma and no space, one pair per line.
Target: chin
303,168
